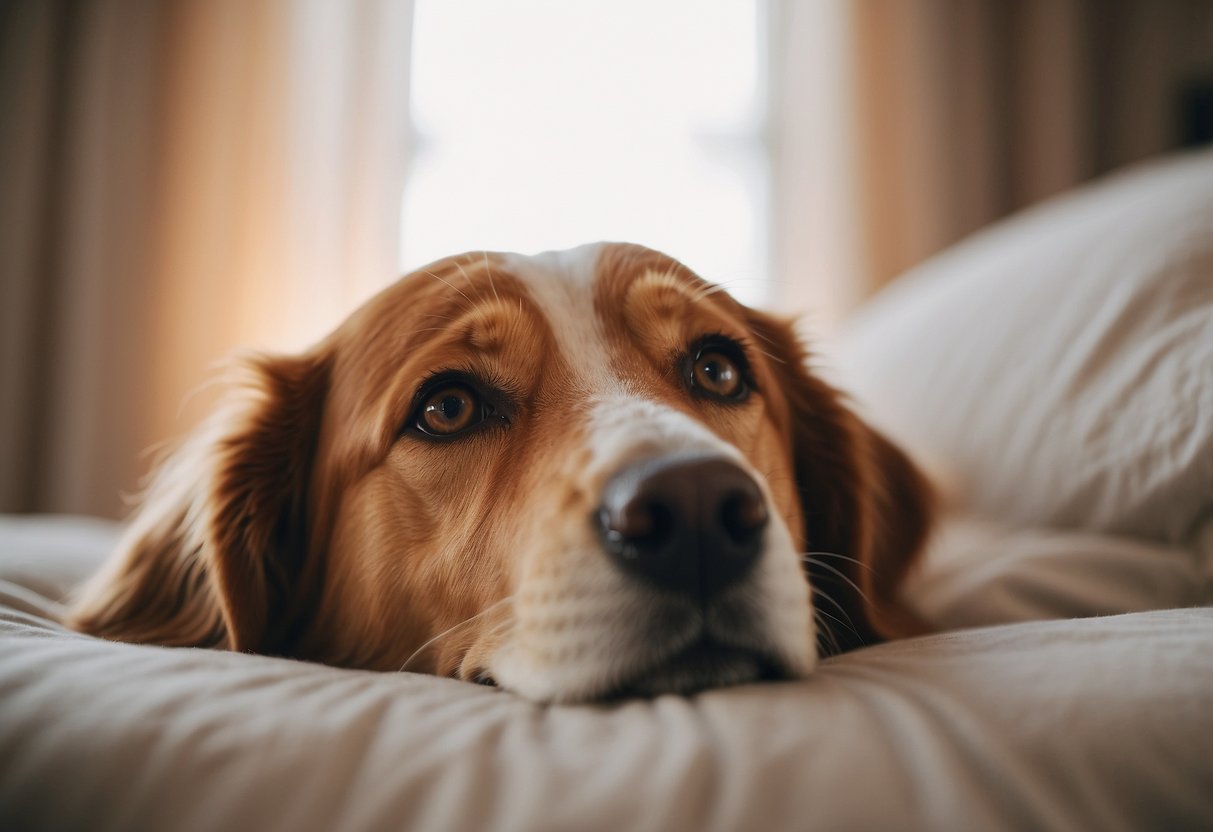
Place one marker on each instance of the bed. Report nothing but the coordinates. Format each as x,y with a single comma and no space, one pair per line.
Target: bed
1055,372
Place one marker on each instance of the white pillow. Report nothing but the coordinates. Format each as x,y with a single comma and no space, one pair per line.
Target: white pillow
1059,366
977,573
1093,724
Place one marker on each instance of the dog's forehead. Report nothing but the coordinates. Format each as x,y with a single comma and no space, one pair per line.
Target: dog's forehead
562,285
607,297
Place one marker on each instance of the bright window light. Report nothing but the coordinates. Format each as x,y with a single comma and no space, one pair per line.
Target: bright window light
544,124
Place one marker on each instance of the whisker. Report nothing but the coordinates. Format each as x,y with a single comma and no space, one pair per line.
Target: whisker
453,286
840,574
772,357
488,269
843,623
463,272
825,636
450,630
825,595
855,561
763,337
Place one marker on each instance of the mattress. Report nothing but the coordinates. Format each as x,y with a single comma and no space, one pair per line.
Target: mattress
1095,723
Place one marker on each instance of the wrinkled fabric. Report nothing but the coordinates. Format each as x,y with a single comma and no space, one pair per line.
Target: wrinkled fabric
1057,368
1101,723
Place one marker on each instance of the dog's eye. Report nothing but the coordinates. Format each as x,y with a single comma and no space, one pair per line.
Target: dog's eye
717,374
450,409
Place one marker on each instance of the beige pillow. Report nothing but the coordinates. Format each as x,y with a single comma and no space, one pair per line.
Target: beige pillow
1093,724
1060,365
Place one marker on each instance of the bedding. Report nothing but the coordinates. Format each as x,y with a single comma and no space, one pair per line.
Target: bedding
417,492
1101,723
978,572
1057,367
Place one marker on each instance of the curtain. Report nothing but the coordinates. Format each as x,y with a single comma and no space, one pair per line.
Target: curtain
900,126
179,179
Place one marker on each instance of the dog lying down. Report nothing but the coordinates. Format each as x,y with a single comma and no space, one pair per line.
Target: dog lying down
579,475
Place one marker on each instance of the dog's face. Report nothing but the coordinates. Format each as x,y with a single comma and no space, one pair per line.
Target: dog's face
581,451
577,475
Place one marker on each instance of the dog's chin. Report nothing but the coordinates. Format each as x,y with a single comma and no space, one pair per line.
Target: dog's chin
698,667
703,664
651,644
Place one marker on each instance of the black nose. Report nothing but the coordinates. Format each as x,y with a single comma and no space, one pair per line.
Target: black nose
688,525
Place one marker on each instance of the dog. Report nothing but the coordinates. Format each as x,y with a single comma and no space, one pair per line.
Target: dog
577,475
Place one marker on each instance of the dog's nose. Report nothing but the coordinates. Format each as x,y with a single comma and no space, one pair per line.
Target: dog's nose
688,525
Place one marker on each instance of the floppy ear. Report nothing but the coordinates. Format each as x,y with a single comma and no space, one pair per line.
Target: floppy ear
867,509
214,555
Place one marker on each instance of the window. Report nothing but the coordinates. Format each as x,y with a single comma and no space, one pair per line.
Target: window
546,124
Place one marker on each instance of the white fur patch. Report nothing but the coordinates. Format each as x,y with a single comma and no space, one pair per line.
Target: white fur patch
562,285
582,627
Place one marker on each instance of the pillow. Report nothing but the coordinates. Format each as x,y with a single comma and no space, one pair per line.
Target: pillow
1092,724
977,573
1059,366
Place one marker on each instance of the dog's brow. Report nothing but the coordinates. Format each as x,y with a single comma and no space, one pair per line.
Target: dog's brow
498,324
561,286
656,294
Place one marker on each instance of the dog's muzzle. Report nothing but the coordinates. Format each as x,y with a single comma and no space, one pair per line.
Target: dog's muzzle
688,525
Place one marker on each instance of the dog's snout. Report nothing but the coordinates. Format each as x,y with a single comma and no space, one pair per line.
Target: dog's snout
691,526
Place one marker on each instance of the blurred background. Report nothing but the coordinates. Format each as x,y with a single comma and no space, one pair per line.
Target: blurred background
179,179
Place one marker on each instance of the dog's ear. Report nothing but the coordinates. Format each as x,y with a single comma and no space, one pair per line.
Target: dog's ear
214,555
867,510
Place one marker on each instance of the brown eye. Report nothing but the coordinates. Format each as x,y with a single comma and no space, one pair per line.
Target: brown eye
717,374
450,409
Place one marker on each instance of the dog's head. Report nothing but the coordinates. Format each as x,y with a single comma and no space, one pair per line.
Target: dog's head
578,475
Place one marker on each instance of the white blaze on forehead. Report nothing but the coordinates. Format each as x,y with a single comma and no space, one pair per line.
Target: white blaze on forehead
581,626
562,285
623,429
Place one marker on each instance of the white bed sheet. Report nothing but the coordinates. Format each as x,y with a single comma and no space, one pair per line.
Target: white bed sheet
1103,723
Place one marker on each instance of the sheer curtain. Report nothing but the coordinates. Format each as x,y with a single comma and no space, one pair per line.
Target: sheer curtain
179,179
903,126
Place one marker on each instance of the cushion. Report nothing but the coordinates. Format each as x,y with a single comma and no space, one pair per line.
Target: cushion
976,572
1100,723
1058,368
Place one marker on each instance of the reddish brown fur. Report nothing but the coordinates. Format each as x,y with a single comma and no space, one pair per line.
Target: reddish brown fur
300,521
860,495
